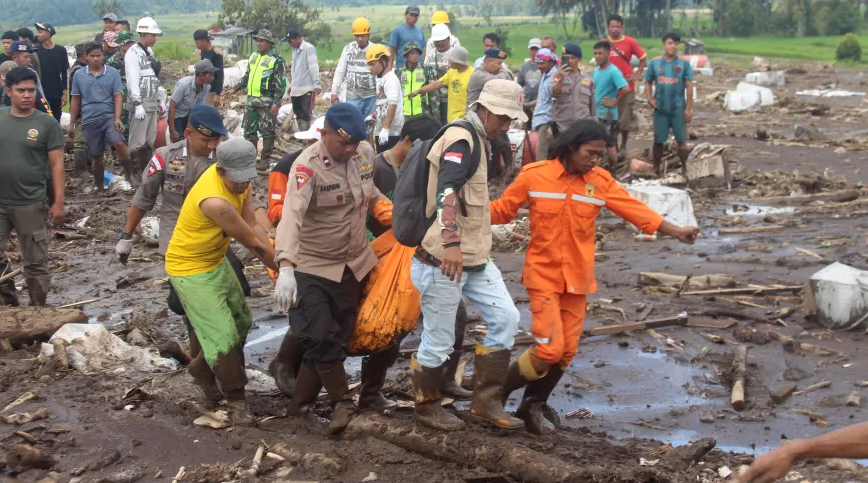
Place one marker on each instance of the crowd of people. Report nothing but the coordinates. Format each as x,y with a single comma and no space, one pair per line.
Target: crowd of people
408,147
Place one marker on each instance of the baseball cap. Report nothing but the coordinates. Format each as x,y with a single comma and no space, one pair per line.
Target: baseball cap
458,55
125,37
110,38
20,46
202,34
545,55
503,98
204,66
237,157
413,9
206,120
315,131
292,34
534,42
440,32
573,49
494,53
110,16
46,26
347,120
5,67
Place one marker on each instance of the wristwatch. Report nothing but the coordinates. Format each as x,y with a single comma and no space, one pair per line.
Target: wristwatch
137,103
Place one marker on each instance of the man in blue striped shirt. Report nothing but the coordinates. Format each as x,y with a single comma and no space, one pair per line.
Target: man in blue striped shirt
546,60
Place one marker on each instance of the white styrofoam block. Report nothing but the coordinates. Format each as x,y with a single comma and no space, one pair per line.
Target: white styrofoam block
766,94
841,296
738,102
673,204
775,78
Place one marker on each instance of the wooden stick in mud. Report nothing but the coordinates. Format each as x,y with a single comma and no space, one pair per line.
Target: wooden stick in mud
746,291
649,324
739,365
750,229
11,275
813,387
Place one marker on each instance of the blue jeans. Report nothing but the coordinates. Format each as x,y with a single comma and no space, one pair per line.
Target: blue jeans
440,298
365,105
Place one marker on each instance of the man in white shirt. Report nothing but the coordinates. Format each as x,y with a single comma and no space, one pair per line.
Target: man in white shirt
305,82
390,115
143,84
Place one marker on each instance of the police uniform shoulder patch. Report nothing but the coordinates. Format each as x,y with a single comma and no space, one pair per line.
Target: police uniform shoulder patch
156,165
300,180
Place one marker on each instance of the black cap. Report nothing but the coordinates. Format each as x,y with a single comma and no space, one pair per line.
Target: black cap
206,120
573,49
47,27
202,34
493,53
347,120
293,34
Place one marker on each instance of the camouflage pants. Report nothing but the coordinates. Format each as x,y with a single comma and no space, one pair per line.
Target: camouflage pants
82,160
258,122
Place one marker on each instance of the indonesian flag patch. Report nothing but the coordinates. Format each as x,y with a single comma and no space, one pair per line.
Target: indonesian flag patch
155,165
454,157
276,195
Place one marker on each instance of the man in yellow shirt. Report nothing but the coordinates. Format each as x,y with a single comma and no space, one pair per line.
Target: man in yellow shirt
456,80
217,209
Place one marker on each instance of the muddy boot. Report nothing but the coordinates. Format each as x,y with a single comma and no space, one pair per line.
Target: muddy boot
448,386
303,126
374,369
426,388
8,293
239,412
203,375
335,381
38,292
307,387
264,161
286,364
657,157
490,367
534,406
522,372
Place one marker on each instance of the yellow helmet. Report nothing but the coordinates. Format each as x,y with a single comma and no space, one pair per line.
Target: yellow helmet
376,52
361,26
439,17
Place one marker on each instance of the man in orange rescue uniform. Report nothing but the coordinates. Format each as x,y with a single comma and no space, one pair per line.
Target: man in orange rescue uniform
565,194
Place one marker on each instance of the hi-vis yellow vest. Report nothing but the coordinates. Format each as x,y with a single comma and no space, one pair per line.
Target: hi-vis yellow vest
260,67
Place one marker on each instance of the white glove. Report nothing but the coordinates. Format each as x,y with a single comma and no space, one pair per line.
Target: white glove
140,112
384,136
285,290
124,248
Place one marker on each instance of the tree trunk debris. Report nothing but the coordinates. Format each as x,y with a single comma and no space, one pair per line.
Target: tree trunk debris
23,325
739,367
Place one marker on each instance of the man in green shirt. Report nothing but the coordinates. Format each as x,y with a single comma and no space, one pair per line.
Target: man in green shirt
31,142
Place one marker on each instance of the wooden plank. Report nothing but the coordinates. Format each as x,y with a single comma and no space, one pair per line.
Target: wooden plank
748,290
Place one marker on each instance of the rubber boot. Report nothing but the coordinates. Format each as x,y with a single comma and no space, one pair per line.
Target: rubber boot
239,412
426,388
307,387
203,375
448,386
490,367
264,161
657,156
521,373
534,405
37,291
286,364
8,293
334,380
374,369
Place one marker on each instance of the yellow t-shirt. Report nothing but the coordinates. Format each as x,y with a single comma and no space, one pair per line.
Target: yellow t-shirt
457,83
198,245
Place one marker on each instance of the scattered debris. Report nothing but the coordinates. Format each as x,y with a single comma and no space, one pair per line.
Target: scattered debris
698,282
23,456
836,297
27,396
784,393
23,418
739,369
813,387
855,399
24,325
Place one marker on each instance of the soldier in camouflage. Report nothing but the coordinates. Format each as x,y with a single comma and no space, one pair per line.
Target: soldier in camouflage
265,83
125,40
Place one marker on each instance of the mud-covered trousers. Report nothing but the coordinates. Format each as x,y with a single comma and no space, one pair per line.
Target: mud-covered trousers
330,309
29,223
557,320
215,305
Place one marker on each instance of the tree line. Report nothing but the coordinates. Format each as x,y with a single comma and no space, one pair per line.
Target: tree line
17,13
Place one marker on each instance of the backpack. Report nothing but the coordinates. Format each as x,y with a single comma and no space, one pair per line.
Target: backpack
409,223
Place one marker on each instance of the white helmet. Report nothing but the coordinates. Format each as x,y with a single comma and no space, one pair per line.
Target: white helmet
440,32
147,25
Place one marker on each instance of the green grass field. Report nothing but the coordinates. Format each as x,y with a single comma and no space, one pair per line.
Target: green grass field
177,41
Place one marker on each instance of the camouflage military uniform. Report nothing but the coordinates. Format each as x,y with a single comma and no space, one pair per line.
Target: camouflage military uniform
117,61
269,70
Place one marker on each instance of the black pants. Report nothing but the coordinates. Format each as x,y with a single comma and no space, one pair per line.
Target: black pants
56,108
327,317
175,303
302,106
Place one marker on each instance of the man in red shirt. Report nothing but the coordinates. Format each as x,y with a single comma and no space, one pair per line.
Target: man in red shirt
623,49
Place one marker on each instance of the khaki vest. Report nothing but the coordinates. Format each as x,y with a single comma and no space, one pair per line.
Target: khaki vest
475,228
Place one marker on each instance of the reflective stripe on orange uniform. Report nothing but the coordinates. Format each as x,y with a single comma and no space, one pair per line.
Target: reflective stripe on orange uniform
560,255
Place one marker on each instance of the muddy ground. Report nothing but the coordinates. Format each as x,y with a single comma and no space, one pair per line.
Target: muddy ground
642,393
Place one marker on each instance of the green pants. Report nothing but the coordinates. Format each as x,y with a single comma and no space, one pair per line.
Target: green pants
258,121
214,303
82,160
664,122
